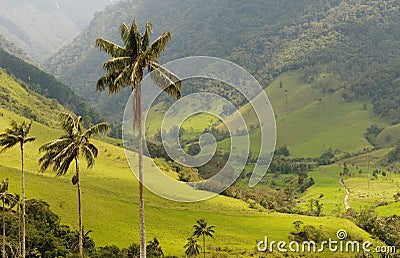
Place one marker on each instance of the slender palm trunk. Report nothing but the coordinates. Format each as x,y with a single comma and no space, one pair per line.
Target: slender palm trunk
138,110
23,202
4,232
79,207
19,230
204,245
369,178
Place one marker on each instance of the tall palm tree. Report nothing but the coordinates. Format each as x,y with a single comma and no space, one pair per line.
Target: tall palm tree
61,152
192,247
18,133
9,200
201,229
126,67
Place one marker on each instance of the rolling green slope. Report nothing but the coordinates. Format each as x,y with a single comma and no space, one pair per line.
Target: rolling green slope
313,116
25,102
48,86
389,137
331,123
110,206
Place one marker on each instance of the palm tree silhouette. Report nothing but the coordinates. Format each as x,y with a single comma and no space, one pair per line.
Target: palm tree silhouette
60,153
126,68
18,133
201,229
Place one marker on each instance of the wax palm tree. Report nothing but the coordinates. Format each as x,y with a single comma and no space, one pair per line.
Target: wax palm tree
87,242
154,249
192,247
6,199
61,152
126,67
18,134
201,229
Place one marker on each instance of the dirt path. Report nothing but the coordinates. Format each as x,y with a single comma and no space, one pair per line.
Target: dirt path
346,196
341,181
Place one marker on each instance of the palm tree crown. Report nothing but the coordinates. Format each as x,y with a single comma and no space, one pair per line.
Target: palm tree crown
8,199
192,247
17,133
60,152
127,63
201,229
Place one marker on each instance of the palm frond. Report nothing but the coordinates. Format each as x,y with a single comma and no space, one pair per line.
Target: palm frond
117,64
135,39
157,47
30,139
67,151
146,36
123,78
110,48
63,168
124,32
108,81
8,141
58,144
4,185
90,152
67,122
96,129
165,79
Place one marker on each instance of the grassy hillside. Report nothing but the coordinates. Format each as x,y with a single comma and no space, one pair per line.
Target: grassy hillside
46,85
111,207
389,136
313,116
24,101
379,194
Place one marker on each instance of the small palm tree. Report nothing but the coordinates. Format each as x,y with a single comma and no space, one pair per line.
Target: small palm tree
154,249
9,200
61,152
18,134
192,247
126,68
201,229
86,240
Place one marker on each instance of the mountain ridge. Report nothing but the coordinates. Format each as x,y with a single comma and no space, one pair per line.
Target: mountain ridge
41,27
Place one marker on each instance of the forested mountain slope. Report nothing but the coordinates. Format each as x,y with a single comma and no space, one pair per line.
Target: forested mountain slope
38,81
42,27
359,40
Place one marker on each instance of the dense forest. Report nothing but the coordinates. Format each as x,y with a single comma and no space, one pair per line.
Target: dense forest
352,38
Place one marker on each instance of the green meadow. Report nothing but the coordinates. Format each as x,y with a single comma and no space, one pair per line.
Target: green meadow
110,189
110,204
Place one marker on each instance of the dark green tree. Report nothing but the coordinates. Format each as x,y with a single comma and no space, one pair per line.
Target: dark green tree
297,224
10,201
192,247
154,249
